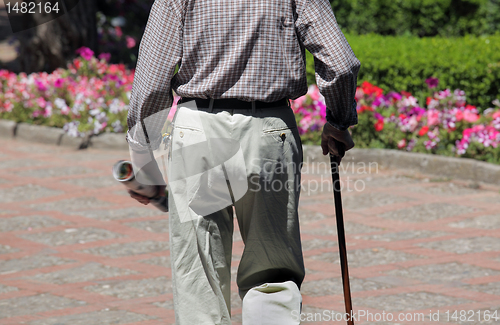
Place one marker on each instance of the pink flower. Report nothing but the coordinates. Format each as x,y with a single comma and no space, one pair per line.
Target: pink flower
8,106
359,93
58,83
40,85
402,143
130,42
459,115
432,117
118,31
432,82
496,115
470,116
85,53
313,92
105,56
41,102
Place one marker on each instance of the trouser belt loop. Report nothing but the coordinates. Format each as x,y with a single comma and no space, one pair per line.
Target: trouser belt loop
211,105
253,107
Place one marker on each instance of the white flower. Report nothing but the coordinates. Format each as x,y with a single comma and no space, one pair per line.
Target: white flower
94,111
60,103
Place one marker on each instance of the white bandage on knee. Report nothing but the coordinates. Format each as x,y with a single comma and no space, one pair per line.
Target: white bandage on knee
272,303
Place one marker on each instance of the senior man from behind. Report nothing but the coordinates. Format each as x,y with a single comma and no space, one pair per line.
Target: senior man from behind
240,63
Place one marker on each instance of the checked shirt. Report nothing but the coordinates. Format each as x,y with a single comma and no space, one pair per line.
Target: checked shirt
248,50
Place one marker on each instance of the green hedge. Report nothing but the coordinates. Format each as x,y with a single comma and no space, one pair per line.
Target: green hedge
403,63
418,17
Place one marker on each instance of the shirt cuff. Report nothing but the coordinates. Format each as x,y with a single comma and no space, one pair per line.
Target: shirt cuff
343,126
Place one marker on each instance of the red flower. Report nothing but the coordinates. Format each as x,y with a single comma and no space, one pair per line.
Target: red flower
470,107
402,116
423,131
379,125
405,93
428,100
370,89
365,108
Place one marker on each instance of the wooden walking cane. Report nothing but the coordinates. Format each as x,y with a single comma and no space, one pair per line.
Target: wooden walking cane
334,163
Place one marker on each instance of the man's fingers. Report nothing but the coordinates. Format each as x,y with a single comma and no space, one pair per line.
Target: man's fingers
141,199
324,146
332,147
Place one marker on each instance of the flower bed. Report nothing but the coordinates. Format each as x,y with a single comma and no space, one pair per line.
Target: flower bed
445,125
92,96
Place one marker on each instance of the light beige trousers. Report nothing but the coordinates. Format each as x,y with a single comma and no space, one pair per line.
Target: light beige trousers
249,160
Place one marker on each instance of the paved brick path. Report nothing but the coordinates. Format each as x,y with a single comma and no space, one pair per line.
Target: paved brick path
76,250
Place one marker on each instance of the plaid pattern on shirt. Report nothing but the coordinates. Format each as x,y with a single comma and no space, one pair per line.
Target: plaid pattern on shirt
249,50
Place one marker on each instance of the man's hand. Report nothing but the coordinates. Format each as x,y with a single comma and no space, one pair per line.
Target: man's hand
143,199
331,135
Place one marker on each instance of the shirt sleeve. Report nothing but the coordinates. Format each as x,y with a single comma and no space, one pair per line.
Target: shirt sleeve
335,63
151,97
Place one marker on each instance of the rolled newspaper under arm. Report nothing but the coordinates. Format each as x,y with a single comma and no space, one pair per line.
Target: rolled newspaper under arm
124,173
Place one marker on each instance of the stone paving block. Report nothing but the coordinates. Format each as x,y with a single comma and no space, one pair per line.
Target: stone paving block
110,141
156,226
55,171
72,142
408,301
158,260
482,222
237,236
3,181
5,289
370,200
71,236
465,245
128,249
92,182
78,203
6,249
389,181
333,286
31,305
102,317
489,199
306,216
368,257
25,222
349,228
448,189
168,304
23,146
317,243
19,163
39,133
131,289
492,288
31,262
87,272
117,214
7,128
26,192
427,212
405,235
235,300
93,155
443,273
